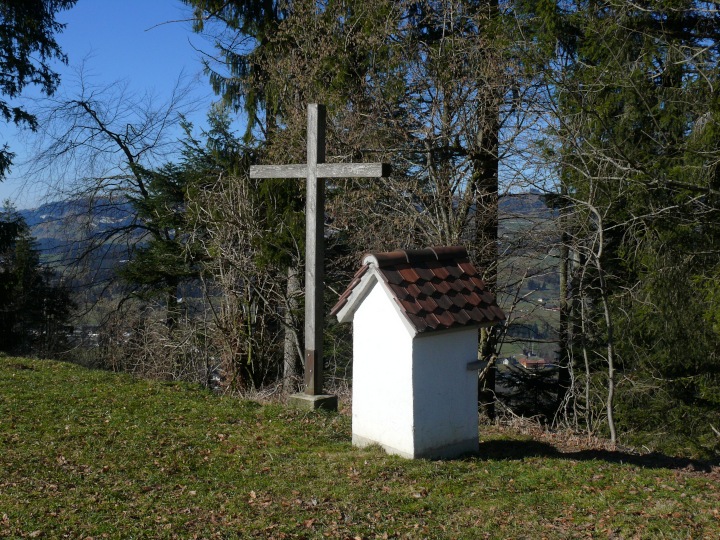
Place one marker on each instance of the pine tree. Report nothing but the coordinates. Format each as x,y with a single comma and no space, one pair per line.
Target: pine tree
27,45
164,260
34,307
634,83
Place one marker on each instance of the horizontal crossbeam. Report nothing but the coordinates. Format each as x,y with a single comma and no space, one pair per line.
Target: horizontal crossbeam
324,170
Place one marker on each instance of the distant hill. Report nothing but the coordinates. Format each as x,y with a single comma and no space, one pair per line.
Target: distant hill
61,229
519,204
59,225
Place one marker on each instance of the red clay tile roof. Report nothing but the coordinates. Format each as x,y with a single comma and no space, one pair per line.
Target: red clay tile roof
435,288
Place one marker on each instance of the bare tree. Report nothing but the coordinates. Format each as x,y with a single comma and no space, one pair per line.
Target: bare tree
254,310
95,148
431,87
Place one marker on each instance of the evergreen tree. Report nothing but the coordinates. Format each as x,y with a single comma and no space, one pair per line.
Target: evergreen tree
34,308
635,83
161,263
168,257
27,45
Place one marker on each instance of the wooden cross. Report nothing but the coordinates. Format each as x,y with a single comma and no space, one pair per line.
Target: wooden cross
316,169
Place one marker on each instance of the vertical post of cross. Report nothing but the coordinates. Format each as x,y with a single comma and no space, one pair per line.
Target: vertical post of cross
315,248
314,171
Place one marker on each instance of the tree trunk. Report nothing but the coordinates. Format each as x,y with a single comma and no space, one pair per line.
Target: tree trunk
290,345
610,356
564,366
486,172
586,359
486,382
172,315
610,344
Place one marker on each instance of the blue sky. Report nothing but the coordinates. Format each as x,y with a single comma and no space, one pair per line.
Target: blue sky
148,43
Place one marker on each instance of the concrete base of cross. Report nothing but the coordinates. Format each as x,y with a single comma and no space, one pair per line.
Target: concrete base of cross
312,403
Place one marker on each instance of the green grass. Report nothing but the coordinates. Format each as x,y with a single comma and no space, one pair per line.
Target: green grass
90,454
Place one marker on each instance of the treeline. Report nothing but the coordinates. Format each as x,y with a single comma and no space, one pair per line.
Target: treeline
35,305
609,108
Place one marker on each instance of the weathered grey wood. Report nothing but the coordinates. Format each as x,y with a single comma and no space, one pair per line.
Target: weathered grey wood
278,171
315,169
324,170
353,170
314,251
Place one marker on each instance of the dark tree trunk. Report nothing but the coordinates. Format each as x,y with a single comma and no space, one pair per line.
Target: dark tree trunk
290,344
486,166
564,337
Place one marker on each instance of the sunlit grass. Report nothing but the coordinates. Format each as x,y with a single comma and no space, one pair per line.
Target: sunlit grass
94,454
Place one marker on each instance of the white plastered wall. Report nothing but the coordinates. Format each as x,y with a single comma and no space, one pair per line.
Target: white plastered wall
413,395
382,400
445,407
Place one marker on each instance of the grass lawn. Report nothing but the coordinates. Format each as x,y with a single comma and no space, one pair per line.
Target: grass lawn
90,454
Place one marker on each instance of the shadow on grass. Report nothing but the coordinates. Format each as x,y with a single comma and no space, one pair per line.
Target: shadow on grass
518,450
